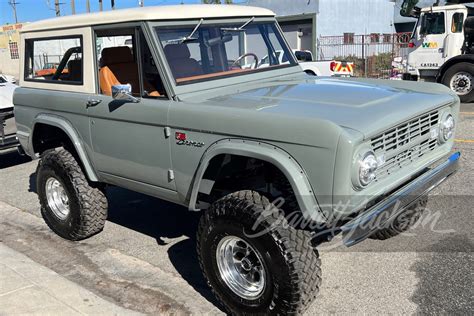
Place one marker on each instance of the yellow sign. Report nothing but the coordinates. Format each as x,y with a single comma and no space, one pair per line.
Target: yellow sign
9,34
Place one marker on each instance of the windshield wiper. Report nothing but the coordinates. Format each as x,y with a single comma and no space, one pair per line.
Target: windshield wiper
238,29
190,37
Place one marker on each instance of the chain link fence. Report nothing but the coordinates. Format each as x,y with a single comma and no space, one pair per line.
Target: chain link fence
373,55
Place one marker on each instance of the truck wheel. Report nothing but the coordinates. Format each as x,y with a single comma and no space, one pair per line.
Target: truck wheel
460,78
403,222
254,263
70,206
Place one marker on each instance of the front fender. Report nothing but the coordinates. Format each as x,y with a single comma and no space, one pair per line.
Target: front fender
271,154
66,127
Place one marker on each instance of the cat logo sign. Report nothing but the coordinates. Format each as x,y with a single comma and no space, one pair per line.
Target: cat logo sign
430,45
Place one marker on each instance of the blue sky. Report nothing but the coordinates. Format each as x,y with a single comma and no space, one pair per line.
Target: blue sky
33,10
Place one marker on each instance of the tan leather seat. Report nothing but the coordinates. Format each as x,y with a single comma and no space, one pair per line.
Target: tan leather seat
180,61
74,68
119,67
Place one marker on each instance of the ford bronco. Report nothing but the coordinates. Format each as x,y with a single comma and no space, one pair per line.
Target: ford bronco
171,101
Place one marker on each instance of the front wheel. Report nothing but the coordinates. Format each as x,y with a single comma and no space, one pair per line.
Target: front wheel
402,222
460,78
255,264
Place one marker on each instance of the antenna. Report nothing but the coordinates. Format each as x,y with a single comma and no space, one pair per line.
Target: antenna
13,3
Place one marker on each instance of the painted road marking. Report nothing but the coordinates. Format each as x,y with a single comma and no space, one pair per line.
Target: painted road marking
466,113
464,140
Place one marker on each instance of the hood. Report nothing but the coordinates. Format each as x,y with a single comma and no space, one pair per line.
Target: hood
367,106
6,95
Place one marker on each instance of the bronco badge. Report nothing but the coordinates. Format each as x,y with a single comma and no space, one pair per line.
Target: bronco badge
181,139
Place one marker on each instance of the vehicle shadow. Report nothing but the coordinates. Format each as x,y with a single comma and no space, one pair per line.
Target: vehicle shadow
10,158
162,220
445,277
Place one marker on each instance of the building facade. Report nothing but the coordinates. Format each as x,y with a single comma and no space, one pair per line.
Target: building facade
9,54
304,21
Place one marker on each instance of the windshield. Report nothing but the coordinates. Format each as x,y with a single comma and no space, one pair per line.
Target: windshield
222,50
432,23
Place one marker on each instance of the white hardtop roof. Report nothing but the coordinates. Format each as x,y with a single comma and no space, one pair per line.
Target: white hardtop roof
174,12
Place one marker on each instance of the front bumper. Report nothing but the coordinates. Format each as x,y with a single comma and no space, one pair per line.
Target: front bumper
388,209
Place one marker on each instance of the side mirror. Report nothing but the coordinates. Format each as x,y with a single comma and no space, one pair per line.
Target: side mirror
123,92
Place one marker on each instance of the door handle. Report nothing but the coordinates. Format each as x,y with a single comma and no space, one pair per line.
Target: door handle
92,102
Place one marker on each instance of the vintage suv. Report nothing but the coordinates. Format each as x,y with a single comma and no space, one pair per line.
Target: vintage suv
172,102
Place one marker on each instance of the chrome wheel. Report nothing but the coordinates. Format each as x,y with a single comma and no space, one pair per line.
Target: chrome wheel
241,267
57,198
462,83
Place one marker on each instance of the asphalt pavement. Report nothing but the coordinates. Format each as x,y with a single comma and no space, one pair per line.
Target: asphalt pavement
145,259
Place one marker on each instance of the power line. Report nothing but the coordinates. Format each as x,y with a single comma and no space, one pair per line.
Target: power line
13,4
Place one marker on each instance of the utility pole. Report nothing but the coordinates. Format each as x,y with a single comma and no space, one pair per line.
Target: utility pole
101,6
112,4
57,8
13,3
73,7
88,6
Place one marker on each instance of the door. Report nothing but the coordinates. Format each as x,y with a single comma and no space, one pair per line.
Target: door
128,139
432,36
455,39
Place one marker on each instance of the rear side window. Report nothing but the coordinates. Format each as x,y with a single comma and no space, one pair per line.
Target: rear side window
54,60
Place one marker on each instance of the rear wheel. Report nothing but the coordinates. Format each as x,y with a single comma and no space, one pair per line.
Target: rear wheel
255,264
70,205
460,78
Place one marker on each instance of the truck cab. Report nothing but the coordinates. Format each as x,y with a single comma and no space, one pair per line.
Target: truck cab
441,46
438,36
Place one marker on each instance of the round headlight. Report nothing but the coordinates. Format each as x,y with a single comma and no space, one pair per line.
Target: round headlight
367,167
447,128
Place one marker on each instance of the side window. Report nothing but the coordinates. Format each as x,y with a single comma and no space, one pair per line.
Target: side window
457,23
123,57
433,23
54,60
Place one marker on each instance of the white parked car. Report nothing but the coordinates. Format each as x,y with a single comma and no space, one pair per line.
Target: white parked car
8,137
7,78
329,68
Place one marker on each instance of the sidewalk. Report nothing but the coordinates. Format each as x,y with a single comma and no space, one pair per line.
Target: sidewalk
27,287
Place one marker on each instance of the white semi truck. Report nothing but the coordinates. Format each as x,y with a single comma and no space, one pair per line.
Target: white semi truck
442,46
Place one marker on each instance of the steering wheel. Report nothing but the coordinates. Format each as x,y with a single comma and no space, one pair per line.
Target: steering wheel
235,63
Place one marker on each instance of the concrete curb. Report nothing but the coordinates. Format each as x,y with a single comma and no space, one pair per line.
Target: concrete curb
27,287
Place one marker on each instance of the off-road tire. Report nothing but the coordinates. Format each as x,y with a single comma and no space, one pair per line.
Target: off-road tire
293,267
452,71
403,222
87,204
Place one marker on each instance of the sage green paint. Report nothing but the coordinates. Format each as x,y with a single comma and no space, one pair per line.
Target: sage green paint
311,128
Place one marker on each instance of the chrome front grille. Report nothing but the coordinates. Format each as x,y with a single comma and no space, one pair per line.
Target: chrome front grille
406,143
